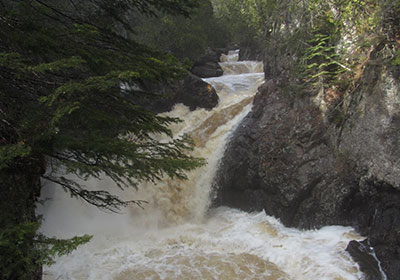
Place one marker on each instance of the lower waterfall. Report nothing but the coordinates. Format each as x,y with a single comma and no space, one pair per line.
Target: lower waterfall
176,235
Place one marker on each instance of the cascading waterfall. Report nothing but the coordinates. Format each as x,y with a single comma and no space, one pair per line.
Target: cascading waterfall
176,236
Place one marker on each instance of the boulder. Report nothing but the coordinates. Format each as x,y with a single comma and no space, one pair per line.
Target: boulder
364,255
207,66
196,93
191,91
207,70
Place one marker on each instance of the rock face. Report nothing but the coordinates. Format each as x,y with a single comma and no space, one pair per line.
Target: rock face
373,127
364,255
288,159
207,66
207,70
192,92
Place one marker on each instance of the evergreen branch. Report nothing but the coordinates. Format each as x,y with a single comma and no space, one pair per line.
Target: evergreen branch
101,199
60,247
57,11
9,153
73,62
61,66
54,18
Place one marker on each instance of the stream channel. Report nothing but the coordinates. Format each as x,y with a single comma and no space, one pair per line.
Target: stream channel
177,235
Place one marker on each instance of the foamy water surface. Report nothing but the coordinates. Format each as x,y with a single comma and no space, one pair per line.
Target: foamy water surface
176,235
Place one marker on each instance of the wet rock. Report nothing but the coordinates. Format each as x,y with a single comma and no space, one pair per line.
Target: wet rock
192,92
207,66
207,70
290,159
196,93
279,160
375,213
363,254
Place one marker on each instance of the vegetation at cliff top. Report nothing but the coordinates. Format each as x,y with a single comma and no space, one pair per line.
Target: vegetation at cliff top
186,38
325,43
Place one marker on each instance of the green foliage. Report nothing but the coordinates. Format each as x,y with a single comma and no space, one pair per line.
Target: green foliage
244,20
396,59
319,38
68,90
63,99
23,250
9,153
184,37
257,22
72,62
321,62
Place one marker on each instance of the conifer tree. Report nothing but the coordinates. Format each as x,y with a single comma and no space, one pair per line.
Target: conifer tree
68,84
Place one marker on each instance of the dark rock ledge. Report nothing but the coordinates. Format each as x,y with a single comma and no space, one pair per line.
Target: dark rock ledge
191,91
287,159
207,66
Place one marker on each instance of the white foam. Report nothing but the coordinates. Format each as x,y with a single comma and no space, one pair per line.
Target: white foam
175,237
227,233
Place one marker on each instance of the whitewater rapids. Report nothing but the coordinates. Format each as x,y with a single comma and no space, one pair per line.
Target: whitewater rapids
176,235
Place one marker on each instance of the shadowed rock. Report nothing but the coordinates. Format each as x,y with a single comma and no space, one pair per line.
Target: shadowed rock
311,168
363,254
192,92
207,66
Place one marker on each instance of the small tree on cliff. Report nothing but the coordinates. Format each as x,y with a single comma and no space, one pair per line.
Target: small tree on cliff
68,81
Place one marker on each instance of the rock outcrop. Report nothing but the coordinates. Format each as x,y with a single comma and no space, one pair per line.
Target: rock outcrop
311,169
364,255
207,66
207,70
191,91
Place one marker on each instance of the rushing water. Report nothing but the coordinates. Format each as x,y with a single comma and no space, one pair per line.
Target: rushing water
176,236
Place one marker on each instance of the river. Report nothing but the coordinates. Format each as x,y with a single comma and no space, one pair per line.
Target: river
176,235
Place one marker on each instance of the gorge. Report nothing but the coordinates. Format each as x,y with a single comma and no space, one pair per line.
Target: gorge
177,236
276,160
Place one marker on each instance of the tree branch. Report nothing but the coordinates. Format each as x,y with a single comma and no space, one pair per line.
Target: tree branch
101,199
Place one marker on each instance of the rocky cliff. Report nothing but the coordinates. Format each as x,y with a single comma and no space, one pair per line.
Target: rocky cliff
311,166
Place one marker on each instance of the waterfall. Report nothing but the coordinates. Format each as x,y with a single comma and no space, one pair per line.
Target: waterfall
176,235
